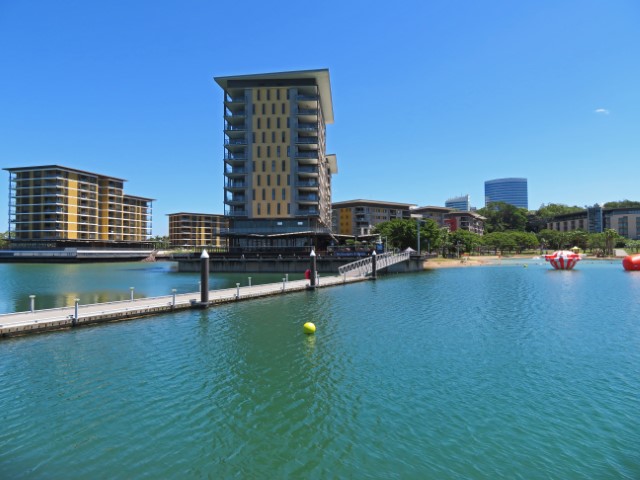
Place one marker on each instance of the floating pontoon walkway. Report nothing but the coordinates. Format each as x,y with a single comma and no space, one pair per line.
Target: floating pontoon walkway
23,323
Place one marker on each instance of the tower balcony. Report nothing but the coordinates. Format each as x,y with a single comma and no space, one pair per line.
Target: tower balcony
307,185
307,127
234,172
234,185
308,171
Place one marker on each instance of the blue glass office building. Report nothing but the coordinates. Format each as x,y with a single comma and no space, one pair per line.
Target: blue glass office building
507,190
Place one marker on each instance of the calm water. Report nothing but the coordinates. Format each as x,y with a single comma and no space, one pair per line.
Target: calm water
479,373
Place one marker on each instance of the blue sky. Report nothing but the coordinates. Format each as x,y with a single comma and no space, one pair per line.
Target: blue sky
431,98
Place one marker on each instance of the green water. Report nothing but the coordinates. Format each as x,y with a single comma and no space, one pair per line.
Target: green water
479,373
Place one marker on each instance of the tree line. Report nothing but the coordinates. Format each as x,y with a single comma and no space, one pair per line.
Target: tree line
508,229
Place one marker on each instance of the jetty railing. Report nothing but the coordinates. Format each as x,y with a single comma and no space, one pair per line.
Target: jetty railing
364,266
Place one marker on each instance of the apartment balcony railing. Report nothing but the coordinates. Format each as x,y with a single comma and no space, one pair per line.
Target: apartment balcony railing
307,184
307,111
235,141
236,213
307,140
235,156
232,127
307,212
308,169
235,171
235,199
308,198
234,99
311,154
236,184
307,97
307,126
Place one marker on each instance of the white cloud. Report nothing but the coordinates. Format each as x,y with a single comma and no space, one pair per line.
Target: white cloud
602,111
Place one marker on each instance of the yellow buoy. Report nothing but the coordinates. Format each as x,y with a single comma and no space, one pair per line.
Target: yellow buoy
309,328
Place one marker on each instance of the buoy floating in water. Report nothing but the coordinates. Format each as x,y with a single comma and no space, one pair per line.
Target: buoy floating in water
309,328
563,259
631,262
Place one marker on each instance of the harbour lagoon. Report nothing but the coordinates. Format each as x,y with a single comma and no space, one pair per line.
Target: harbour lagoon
480,372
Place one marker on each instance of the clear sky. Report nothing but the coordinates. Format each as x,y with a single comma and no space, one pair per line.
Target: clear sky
431,97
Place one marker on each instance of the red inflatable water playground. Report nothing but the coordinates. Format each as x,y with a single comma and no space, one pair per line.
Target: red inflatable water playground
563,259
631,262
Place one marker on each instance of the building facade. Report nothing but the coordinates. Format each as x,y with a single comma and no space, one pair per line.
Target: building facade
437,214
66,206
469,221
358,217
596,219
508,190
277,172
197,230
461,203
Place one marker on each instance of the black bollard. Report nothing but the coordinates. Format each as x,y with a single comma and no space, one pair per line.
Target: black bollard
373,266
312,276
204,278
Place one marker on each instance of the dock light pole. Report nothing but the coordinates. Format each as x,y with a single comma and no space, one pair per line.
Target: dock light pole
284,280
237,291
204,277
249,281
373,266
313,274
132,289
32,301
75,312
173,303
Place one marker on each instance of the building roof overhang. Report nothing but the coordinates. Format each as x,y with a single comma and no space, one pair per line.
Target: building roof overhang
321,77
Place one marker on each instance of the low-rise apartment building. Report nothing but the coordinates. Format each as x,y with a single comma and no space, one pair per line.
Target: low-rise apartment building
596,219
195,230
358,217
52,206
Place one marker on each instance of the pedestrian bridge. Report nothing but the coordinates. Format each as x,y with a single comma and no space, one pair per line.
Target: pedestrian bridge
364,266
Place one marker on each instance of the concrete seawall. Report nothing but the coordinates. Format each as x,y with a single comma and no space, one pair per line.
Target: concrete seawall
326,265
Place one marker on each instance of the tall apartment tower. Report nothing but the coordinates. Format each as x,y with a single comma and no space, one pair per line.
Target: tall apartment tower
277,173
65,206
507,190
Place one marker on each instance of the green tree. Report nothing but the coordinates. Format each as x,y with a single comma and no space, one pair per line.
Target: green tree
465,241
403,233
499,242
622,204
4,239
524,240
610,237
502,216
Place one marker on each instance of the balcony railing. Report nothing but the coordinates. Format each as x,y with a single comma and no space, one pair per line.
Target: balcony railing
240,127
235,141
312,154
306,212
235,171
307,169
307,97
308,198
235,156
236,184
307,184
307,126
307,140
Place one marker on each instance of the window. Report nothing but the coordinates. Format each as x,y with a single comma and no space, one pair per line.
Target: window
273,109
258,151
278,151
258,209
284,165
253,108
278,207
268,123
288,151
284,193
264,194
278,94
253,137
259,177
258,93
268,94
288,180
277,123
273,136
264,166
268,179
273,194
264,108
273,165
263,137
254,165
288,122
258,122
284,137
283,109
268,150
278,179
288,209
253,194
287,94
268,209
